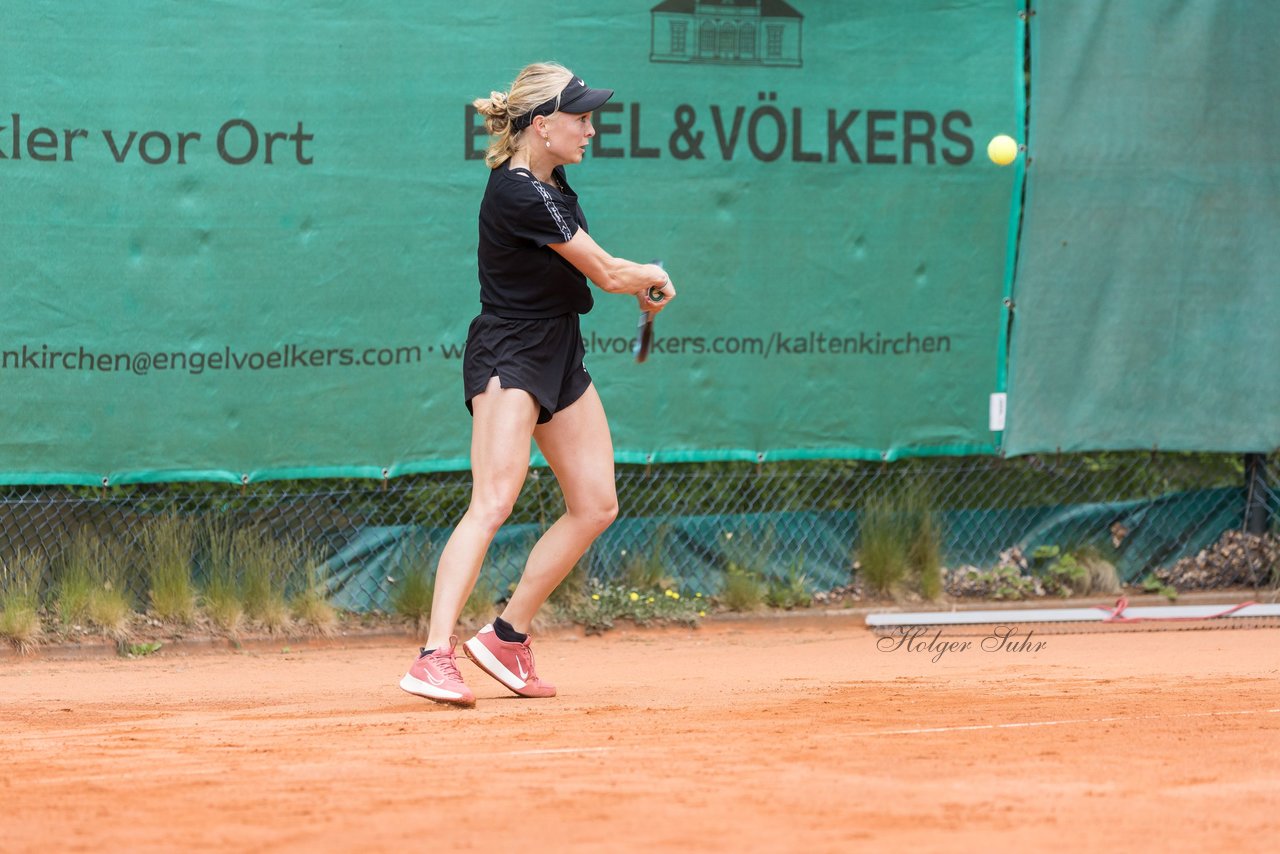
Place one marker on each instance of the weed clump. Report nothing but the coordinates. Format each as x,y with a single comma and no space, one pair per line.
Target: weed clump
20,579
899,548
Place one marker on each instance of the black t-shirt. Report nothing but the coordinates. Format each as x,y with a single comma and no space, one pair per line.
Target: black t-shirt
520,277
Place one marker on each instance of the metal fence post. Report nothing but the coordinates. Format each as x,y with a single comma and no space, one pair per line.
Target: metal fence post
1256,510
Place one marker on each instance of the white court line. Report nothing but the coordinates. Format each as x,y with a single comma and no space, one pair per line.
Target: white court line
1023,724
553,751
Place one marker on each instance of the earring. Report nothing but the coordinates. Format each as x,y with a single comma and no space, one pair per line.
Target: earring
548,142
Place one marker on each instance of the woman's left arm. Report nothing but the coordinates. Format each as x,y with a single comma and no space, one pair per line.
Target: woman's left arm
615,275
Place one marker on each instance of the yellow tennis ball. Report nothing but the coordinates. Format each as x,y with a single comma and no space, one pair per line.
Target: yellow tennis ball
1002,150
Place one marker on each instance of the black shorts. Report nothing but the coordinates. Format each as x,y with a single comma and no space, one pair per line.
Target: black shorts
542,357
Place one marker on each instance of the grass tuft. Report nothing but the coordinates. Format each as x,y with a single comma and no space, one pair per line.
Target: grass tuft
221,595
168,553
414,590
20,579
310,603
882,553
262,564
646,570
111,611
747,559
900,546
74,579
91,584
924,554
791,591
20,625
744,590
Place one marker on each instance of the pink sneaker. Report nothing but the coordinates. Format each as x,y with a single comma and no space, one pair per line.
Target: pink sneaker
509,663
435,676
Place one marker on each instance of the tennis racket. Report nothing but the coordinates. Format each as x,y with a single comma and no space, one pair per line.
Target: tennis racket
644,330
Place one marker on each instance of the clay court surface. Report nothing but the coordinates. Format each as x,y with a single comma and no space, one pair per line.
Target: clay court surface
764,735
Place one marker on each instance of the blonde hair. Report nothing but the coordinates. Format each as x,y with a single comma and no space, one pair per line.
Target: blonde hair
534,85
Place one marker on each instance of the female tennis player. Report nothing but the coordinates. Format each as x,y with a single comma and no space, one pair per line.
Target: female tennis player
524,377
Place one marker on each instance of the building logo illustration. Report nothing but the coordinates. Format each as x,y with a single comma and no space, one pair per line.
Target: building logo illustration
727,32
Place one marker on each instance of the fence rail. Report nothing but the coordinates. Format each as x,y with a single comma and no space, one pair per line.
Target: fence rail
1144,512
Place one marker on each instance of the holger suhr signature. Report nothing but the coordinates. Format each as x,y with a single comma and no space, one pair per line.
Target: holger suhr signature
924,639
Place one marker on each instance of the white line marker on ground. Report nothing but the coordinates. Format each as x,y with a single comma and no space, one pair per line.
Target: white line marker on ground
1024,724
553,751
1153,614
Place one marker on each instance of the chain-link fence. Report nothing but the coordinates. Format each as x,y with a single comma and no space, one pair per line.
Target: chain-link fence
1144,512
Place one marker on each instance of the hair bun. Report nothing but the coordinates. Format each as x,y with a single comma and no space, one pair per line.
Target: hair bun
495,110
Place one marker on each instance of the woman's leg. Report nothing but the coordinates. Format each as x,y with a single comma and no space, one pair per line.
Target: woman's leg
503,420
579,449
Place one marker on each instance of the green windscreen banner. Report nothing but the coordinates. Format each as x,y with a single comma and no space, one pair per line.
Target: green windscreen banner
239,238
1148,293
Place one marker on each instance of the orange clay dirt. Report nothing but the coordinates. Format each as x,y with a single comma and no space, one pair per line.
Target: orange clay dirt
784,734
